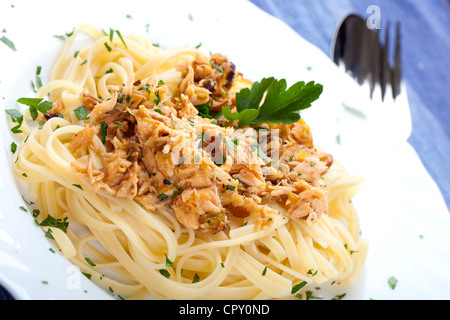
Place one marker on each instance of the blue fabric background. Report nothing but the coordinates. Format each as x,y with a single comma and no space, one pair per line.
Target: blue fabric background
426,64
425,27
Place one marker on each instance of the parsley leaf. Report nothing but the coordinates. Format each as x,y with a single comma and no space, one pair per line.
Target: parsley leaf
268,101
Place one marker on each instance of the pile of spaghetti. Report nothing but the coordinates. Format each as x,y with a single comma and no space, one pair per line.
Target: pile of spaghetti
163,173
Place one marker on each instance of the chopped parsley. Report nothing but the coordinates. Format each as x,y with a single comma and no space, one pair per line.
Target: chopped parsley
63,37
103,131
16,117
27,202
146,88
107,47
298,286
121,38
111,34
49,235
164,272
220,161
230,144
57,223
205,109
309,296
162,196
8,42
196,278
264,271
392,282
36,213
168,262
82,113
354,111
38,76
89,261
157,99
218,68
312,273
339,296
35,105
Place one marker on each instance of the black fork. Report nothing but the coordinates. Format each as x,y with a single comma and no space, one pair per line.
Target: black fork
365,57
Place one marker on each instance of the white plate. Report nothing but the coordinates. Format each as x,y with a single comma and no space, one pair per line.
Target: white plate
402,212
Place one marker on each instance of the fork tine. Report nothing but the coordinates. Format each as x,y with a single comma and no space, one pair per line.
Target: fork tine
374,61
396,73
385,69
365,55
354,36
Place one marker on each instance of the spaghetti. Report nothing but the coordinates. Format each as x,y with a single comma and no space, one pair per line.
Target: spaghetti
110,171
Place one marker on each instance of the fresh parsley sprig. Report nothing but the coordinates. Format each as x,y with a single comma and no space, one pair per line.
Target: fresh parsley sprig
280,105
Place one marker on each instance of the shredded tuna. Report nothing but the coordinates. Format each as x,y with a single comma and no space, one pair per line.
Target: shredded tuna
208,81
146,144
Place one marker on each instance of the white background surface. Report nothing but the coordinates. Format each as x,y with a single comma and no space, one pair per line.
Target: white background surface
402,212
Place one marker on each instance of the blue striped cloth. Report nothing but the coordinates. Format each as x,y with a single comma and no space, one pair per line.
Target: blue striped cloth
425,29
